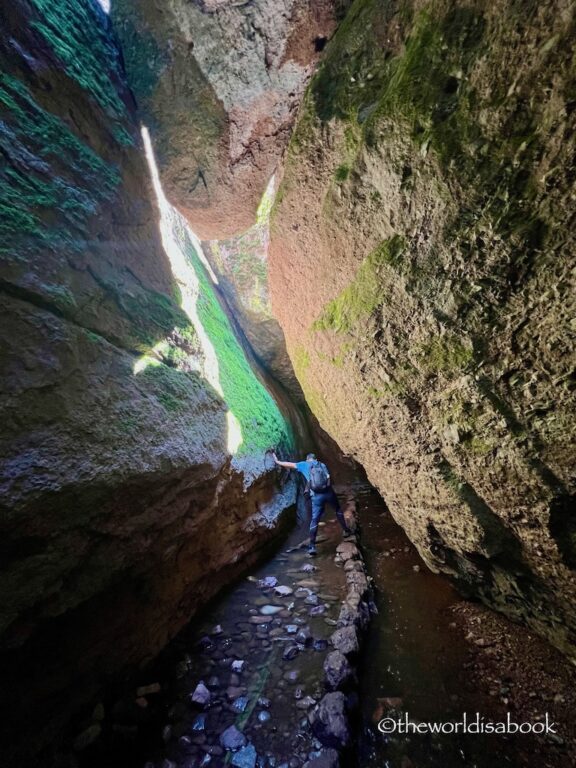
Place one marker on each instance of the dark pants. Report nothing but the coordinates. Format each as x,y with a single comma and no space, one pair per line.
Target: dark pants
319,500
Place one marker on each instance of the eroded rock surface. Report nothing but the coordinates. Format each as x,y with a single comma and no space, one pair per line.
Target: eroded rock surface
218,83
133,482
431,176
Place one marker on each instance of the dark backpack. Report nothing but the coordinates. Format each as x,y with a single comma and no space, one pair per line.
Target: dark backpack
319,478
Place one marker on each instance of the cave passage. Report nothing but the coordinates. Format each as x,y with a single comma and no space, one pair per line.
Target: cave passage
248,669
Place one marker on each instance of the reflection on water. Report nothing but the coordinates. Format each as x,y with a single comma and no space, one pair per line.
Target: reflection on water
414,661
253,660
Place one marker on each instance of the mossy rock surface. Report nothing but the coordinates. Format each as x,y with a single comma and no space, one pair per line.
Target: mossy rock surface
430,174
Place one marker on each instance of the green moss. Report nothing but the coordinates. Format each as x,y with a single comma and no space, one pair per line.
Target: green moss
342,173
172,388
151,314
365,292
61,296
301,360
78,34
261,422
61,173
444,354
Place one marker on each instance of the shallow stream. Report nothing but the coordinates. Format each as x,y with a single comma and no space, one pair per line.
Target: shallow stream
250,667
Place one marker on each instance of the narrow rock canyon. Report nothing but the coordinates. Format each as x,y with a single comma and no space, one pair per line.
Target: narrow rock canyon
234,232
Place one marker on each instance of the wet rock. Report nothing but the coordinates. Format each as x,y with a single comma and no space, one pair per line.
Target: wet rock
324,758
345,640
292,675
264,702
329,721
199,723
268,581
320,644
308,568
317,610
304,636
290,652
306,702
232,738
240,704
347,550
291,629
298,693
271,610
337,670
283,591
201,695
245,758
264,716
312,599
217,630
260,619
357,581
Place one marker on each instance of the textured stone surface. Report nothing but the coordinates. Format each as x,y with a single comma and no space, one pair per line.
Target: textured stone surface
431,176
329,721
131,419
241,263
218,84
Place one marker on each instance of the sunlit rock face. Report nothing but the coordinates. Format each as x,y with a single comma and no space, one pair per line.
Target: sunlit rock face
218,83
133,478
241,263
421,267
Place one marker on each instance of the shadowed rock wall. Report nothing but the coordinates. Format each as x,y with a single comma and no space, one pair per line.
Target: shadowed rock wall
133,483
431,176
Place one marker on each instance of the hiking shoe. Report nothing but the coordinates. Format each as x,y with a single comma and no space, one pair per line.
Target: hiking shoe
312,552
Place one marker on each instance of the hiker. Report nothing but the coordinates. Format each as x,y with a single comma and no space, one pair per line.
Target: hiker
321,492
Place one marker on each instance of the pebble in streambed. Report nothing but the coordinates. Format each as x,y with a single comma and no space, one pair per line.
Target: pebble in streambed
254,672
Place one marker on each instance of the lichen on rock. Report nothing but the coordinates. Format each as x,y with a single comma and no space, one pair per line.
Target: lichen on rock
444,365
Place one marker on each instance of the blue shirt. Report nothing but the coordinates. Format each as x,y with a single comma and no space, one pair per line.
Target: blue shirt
304,468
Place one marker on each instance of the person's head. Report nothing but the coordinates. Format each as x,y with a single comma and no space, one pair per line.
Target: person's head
311,457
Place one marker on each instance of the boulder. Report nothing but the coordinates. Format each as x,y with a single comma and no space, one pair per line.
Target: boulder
329,721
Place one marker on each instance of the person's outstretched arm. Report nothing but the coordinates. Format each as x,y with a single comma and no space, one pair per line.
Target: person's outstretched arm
286,464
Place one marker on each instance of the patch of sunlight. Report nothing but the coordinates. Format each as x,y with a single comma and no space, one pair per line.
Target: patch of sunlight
254,421
182,270
148,360
235,438
265,207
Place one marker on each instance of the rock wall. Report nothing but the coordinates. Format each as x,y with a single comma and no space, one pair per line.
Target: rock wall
429,181
218,83
133,483
241,263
